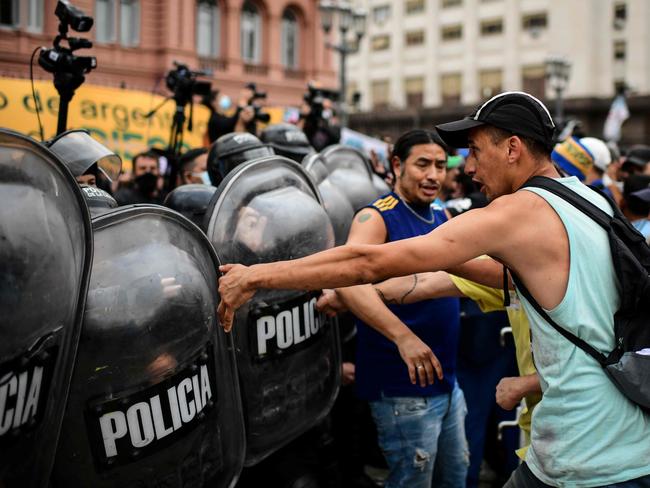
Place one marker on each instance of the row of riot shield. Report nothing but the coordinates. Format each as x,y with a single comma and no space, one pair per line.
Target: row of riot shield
113,369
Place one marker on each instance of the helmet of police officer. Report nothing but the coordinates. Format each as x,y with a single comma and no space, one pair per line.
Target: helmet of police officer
350,171
83,154
45,256
231,150
336,203
288,354
191,201
287,140
97,200
154,399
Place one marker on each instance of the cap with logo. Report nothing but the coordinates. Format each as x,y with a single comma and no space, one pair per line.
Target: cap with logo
517,112
573,158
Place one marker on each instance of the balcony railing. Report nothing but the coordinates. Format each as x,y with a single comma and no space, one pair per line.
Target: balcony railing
256,69
213,64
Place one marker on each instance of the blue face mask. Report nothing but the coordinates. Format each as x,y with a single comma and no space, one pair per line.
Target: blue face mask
225,103
205,177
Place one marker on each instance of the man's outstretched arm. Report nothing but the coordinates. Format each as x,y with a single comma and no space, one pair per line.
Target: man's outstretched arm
467,236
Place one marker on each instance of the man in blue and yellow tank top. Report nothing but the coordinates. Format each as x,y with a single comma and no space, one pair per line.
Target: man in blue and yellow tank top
406,354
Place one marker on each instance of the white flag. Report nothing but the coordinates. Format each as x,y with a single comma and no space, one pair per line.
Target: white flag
618,113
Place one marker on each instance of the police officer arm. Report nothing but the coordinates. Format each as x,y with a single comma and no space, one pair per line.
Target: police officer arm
463,238
369,228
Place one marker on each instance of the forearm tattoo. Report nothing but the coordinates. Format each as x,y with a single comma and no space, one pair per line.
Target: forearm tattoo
415,283
383,297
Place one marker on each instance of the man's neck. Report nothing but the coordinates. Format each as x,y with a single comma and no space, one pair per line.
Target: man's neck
544,169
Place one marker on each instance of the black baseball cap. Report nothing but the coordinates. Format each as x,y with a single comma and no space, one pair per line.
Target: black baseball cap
516,112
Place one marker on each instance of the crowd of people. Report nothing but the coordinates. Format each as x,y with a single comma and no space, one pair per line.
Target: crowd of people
429,367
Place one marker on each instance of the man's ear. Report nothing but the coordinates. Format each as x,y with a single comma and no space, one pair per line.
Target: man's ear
396,165
515,147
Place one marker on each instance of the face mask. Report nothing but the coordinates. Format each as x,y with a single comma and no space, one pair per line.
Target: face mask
225,103
147,183
327,114
205,177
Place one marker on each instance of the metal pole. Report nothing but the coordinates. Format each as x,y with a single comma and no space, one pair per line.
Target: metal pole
559,106
343,52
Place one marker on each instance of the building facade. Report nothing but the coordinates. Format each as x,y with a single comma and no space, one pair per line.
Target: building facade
277,44
431,60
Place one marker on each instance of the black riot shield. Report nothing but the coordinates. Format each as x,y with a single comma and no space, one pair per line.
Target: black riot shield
350,171
45,255
154,399
288,354
335,201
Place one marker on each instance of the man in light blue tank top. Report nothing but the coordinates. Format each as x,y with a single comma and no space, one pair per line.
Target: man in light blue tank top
585,433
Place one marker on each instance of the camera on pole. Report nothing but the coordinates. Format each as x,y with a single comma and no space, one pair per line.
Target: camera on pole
68,69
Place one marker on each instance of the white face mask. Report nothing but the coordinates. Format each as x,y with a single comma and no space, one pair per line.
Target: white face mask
327,114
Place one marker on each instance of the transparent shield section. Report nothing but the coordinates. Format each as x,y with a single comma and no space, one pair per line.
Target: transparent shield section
44,264
288,354
155,394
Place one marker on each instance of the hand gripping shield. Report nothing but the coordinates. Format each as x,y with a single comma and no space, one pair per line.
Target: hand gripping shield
288,354
154,399
45,255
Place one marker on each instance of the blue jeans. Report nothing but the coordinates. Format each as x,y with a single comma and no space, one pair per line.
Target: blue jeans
423,440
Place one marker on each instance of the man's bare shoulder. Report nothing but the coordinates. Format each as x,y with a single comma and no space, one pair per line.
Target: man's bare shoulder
518,204
368,227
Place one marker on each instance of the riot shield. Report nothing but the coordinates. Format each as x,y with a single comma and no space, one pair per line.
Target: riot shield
45,255
350,171
336,203
154,399
288,354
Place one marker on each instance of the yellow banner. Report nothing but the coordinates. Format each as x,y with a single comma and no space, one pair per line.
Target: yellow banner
113,116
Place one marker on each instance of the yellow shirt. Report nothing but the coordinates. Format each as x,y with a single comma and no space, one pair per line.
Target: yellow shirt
491,300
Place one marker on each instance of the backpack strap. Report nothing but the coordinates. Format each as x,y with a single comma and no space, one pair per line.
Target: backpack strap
594,353
579,202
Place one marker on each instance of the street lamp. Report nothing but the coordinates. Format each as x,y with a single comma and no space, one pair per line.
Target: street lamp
558,71
348,18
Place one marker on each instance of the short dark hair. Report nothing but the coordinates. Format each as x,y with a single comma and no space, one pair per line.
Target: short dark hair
403,145
144,154
536,148
187,159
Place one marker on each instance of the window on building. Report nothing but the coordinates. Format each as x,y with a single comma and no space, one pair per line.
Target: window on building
129,22
9,14
450,87
414,6
105,20
490,83
414,88
533,80
35,15
381,14
207,29
380,43
620,15
380,94
491,27
619,50
534,22
290,40
251,33
414,38
452,32
451,3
